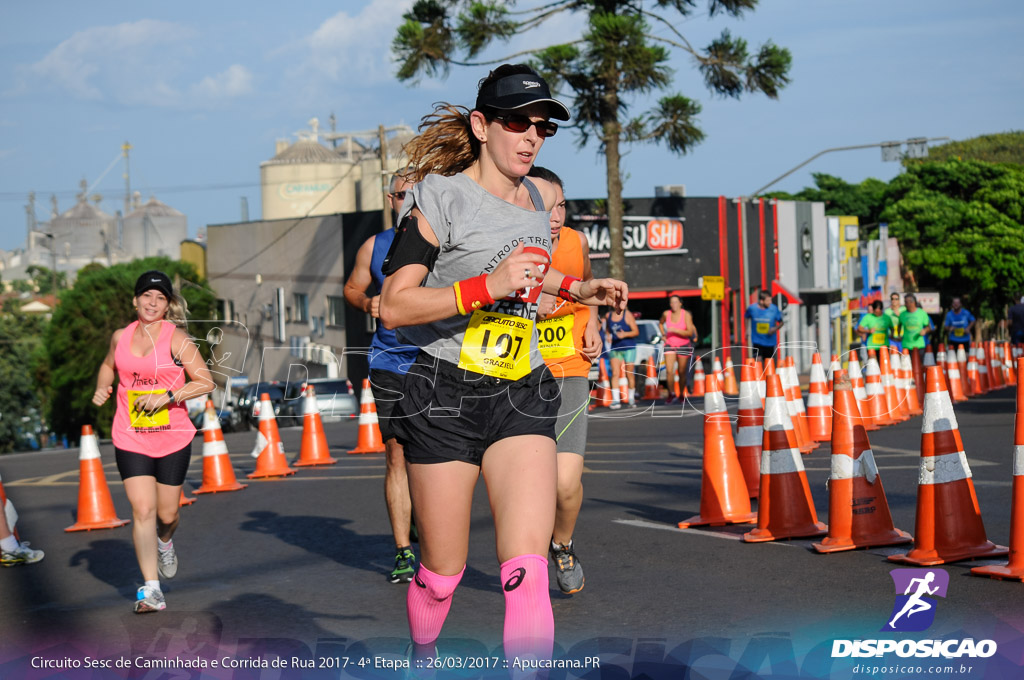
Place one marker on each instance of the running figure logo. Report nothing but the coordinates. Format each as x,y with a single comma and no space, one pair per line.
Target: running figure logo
913,610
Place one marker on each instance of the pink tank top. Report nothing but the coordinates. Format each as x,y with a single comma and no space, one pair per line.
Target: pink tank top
166,431
673,334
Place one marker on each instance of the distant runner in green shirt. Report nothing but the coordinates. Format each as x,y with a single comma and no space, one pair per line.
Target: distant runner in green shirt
893,311
874,327
916,324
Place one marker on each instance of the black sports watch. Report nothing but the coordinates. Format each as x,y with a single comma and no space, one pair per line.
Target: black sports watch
170,395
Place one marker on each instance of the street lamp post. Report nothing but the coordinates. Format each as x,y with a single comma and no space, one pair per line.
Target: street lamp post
917,147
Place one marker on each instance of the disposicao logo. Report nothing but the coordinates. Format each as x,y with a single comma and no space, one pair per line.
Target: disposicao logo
914,611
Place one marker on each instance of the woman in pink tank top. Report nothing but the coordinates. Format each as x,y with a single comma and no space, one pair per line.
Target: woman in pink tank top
152,432
678,330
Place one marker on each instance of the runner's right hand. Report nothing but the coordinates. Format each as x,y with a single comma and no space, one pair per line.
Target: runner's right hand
100,396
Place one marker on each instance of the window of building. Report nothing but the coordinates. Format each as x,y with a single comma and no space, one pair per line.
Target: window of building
226,310
301,303
335,311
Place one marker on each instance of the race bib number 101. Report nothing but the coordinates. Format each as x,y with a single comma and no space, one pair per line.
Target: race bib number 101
497,345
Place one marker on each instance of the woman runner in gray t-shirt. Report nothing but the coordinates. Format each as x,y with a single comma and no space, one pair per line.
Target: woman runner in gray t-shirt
464,275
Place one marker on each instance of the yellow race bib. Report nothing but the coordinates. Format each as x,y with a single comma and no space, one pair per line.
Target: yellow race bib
878,338
959,332
763,328
497,345
142,421
554,337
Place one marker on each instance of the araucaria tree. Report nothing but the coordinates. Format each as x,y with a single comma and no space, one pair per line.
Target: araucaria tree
623,53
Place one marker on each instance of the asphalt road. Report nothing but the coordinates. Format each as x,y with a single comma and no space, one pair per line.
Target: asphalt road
295,568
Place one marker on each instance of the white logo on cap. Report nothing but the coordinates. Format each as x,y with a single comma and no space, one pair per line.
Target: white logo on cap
155,281
530,83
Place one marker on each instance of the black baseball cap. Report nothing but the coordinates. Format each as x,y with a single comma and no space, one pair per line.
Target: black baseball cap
155,280
519,90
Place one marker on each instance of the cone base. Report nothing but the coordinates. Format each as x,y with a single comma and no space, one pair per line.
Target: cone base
931,558
764,535
831,545
318,461
371,449
105,524
261,475
186,501
1003,573
698,521
218,489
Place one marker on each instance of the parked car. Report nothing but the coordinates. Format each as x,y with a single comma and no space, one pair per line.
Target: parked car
250,396
648,344
334,398
225,416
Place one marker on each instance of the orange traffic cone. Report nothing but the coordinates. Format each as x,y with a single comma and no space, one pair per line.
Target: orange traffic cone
652,388
795,405
902,383
929,359
819,412
185,500
948,527
723,493
750,429
729,386
604,389
698,379
218,475
892,400
370,440
785,508
913,403
983,377
760,372
269,451
860,394
956,387
973,376
95,505
1010,374
876,405
995,366
10,513
858,513
961,360
918,371
314,449
1014,568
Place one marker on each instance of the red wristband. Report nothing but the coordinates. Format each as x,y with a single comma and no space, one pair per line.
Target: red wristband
471,294
564,291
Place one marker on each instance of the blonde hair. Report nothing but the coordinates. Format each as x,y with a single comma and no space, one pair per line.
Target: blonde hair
177,311
445,144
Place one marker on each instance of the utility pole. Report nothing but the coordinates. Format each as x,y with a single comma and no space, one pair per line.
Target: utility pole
385,211
125,148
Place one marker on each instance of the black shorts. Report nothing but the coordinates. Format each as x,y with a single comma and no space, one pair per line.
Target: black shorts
763,351
449,413
169,470
387,392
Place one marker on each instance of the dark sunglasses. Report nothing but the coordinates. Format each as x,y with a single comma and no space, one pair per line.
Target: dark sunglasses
400,195
515,122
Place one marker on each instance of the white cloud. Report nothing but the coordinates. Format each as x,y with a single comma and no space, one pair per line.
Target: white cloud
235,81
353,50
145,63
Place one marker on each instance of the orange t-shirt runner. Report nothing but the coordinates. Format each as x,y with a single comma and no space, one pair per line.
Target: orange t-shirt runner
560,336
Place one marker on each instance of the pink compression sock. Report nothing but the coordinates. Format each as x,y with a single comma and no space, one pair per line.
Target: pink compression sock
529,623
428,602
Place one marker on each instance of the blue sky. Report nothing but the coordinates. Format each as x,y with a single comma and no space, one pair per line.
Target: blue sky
202,91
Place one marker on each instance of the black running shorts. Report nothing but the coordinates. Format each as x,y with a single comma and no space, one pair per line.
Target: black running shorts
387,392
448,413
169,470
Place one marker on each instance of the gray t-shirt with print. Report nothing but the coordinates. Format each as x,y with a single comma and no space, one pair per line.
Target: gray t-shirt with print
476,230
